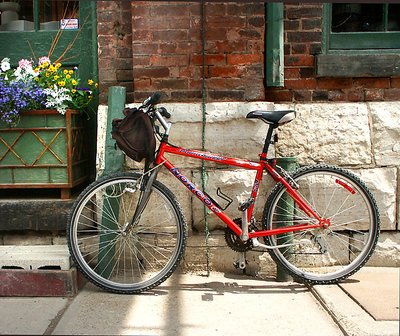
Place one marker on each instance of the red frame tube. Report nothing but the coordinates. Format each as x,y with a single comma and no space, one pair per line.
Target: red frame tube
246,164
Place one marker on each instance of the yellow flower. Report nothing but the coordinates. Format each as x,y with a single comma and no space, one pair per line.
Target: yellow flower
52,68
90,81
74,82
96,85
61,83
47,74
68,76
56,77
65,72
37,69
58,65
70,72
73,90
37,79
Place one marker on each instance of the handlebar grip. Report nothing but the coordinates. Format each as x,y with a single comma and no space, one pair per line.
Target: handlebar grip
163,111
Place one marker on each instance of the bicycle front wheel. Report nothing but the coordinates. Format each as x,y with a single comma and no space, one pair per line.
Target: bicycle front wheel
116,256
323,255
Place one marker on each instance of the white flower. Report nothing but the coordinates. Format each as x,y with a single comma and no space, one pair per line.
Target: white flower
5,64
57,98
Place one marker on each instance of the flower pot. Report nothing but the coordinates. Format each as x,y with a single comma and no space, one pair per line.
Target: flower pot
44,150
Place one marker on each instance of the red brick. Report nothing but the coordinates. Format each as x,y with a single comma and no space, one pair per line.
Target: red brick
303,36
301,11
311,24
170,60
395,82
355,95
144,48
302,95
379,83
336,95
299,60
334,83
170,35
168,10
158,72
306,83
225,71
209,59
170,83
227,47
278,95
236,59
140,84
291,73
226,21
214,34
374,94
392,94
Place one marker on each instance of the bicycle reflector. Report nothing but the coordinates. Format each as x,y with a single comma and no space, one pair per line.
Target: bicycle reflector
346,186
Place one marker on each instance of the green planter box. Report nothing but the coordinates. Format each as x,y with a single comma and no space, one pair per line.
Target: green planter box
45,150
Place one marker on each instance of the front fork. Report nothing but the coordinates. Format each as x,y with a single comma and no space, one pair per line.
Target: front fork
145,187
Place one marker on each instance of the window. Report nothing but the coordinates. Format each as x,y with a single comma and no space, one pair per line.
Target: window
30,15
360,40
362,26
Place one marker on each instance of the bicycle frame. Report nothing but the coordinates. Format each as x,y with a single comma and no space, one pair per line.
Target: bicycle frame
259,167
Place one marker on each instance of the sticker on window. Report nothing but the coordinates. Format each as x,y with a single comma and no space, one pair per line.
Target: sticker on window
69,24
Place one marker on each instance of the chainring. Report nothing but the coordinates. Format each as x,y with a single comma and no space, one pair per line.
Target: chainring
234,241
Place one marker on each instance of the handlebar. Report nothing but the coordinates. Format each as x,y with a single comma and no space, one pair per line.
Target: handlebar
158,113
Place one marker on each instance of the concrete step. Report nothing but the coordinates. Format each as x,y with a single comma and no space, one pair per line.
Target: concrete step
35,257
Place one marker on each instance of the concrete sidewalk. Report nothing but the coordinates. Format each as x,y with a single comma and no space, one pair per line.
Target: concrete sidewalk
221,304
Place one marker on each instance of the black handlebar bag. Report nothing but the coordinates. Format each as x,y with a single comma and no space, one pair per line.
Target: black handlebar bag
134,135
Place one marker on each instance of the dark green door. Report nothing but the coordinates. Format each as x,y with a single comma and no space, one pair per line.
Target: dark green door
36,30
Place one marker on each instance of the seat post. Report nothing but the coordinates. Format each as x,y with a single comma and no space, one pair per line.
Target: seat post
268,138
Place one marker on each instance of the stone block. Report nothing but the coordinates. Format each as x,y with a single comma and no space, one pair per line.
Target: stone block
328,133
386,132
387,251
382,182
35,257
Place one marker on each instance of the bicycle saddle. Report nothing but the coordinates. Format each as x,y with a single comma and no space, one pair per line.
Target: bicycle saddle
276,118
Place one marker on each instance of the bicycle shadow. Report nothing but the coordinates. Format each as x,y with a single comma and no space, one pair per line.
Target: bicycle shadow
233,284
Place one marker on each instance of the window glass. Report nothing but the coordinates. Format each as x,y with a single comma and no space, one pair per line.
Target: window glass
357,17
27,15
394,17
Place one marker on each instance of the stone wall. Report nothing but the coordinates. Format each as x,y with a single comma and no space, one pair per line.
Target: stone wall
363,137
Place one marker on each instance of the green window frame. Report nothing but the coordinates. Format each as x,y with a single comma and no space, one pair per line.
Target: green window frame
358,54
359,40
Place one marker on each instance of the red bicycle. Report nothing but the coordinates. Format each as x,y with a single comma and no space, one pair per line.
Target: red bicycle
127,233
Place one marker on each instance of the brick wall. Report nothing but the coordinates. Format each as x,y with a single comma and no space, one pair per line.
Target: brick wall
302,38
161,49
149,45
114,30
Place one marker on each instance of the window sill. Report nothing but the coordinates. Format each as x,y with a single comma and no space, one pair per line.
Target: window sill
353,65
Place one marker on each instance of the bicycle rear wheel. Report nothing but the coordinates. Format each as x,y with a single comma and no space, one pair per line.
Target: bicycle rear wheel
323,255
120,260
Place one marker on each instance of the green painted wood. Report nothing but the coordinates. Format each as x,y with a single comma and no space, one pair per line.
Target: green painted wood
274,45
35,152
114,160
346,65
286,215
